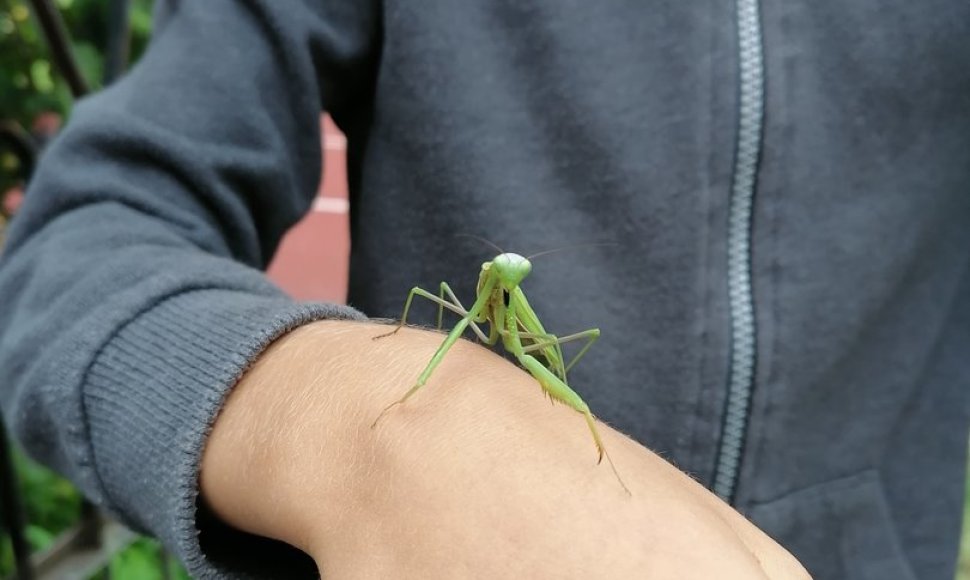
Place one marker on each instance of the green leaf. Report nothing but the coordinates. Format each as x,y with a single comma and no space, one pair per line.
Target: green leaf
6,25
40,74
38,537
90,62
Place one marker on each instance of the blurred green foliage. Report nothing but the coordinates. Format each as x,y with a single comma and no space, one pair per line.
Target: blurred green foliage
29,87
52,505
29,83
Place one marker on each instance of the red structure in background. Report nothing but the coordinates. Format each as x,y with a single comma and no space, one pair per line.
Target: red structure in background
311,263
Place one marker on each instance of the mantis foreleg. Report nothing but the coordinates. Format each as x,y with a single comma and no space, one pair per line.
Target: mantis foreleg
544,340
549,347
560,391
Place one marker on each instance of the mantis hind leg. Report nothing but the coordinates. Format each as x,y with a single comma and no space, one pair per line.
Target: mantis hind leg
454,306
560,391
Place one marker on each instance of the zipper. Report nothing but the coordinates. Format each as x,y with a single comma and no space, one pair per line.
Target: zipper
740,293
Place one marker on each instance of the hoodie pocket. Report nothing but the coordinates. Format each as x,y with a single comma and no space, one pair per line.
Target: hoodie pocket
840,529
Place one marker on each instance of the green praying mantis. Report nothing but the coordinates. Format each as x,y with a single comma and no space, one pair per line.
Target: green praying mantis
501,303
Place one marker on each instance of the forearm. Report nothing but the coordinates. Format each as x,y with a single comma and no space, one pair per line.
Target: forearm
475,472
317,391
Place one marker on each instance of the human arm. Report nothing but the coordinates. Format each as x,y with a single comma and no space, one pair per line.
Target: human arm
133,297
477,476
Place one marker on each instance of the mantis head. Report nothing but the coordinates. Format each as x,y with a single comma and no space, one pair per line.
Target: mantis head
511,269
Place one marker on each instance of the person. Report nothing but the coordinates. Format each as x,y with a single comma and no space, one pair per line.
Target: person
785,311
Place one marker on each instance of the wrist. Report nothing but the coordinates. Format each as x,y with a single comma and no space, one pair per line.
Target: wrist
292,455
277,450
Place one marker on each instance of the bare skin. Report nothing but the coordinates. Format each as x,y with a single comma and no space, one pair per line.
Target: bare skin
477,477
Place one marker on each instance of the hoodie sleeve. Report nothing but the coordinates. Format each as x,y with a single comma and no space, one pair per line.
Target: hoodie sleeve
134,296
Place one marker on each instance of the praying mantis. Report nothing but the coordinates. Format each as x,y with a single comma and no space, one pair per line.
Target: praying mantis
501,302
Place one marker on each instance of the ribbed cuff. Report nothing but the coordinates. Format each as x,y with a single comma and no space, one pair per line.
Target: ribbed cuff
151,396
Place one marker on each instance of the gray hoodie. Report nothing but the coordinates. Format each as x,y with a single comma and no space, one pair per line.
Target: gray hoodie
785,311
